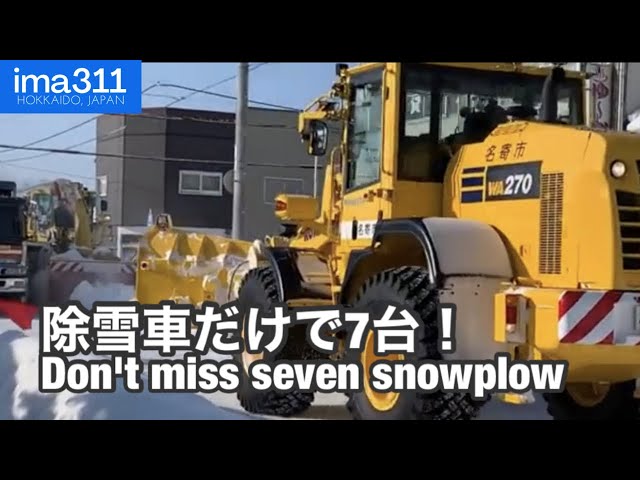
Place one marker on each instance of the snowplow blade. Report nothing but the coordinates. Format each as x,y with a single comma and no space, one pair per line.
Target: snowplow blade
53,278
22,314
65,276
187,267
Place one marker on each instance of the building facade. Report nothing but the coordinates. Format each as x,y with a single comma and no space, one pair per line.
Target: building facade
175,161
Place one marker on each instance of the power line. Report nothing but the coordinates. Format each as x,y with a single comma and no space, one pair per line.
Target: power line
147,89
70,147
252,68
228,97
145,157
54,172
160,95
151,116
66,130
211,120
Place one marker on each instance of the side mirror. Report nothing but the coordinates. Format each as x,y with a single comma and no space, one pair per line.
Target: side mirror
104,205
318,138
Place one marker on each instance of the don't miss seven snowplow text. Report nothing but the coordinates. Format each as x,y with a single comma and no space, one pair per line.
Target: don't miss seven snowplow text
86,351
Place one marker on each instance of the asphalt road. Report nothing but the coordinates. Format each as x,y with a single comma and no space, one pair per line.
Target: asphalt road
331,406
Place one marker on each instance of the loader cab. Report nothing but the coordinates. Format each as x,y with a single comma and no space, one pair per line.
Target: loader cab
444,107
404,123
44,205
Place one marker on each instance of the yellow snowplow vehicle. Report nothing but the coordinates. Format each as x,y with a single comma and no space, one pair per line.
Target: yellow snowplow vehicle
63,213
66,226
469,183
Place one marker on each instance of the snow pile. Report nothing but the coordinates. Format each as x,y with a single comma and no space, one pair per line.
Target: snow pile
71,255
21,400
87,294
104,253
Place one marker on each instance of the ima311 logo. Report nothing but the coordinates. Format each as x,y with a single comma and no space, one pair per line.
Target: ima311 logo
71,86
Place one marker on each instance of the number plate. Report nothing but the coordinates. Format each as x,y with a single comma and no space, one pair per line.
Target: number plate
517,181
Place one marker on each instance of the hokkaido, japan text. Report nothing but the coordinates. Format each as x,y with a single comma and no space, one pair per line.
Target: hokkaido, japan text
224,346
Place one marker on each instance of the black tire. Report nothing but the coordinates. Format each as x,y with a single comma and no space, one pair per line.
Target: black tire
410,286
258,289
619,404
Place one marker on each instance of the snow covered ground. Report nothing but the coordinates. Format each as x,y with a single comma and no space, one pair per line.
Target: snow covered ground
20,398
87,294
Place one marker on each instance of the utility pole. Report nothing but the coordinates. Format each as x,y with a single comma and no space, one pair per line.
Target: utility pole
315,176
242,103
621,97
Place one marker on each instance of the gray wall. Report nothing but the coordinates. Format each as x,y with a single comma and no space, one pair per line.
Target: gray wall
144,179
272,138
212,140
274,156
111,167
136,185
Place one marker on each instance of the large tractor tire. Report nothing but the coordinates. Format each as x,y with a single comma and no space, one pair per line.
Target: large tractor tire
594,402
408,286
258,289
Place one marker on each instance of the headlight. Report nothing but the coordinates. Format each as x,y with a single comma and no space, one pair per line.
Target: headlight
618,169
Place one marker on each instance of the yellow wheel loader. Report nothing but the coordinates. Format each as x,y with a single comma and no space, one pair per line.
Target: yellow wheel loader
476,184
66,223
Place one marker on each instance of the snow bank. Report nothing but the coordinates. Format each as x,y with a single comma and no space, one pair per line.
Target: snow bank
21,400
106,253
71,255
87,294
634,122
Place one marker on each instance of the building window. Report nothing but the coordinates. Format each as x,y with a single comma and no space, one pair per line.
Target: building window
274,186
200,183
102,185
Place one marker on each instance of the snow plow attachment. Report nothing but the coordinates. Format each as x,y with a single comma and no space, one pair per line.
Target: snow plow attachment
185,267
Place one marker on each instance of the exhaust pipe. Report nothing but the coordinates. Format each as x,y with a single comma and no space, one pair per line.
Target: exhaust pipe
549,107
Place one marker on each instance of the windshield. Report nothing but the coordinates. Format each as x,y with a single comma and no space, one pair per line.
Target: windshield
444,106
44,203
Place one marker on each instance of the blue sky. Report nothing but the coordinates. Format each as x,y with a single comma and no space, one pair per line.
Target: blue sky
290,84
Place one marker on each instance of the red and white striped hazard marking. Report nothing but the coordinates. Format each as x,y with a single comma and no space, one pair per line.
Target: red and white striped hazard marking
599,318
128,268
76,267
66,267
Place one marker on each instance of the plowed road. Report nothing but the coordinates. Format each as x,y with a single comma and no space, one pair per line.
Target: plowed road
332,406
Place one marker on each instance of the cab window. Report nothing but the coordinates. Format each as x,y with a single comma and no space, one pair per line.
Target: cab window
364,137
443,108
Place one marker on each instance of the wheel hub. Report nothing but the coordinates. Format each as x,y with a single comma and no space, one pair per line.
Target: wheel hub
382,402
588,394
